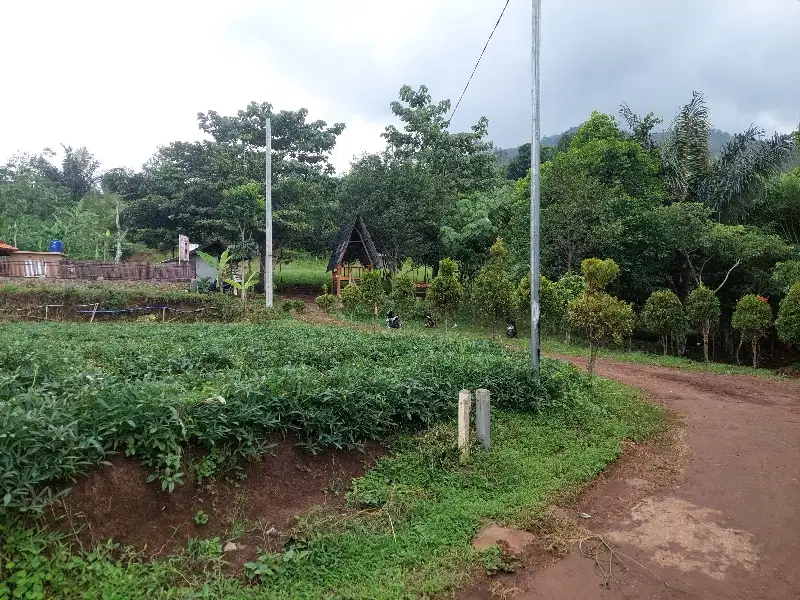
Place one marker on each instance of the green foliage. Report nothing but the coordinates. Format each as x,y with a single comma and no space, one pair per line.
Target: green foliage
293,305
352,299
403,294
752,318
598,273
663,314
599,317
326,302
151,391
786,274
788,321
493,292
220,265
445,292
702,306
201,518
702,311
404,542
372,293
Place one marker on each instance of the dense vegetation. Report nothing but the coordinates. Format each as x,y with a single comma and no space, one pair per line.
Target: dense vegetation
158,390
71,394
675,209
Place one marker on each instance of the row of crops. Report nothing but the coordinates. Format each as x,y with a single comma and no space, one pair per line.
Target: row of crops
70,395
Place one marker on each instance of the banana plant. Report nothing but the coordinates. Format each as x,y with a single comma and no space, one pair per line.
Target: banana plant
220,265
243,286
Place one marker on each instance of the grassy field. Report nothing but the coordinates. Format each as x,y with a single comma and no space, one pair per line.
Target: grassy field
71,393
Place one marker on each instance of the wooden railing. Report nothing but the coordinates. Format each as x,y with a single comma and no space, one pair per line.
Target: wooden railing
93,270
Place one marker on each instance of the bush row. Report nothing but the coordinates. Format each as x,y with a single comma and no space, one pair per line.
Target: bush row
71,395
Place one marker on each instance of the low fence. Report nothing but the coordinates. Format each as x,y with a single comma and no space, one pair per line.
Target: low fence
95,270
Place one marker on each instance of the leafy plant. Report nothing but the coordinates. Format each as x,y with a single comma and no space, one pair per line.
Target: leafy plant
752,318
326,302
663,315
201,518
702,310
493,293
445,292
243,286
220,265
403,294
352,299
599,317
788,321
371,290
270,564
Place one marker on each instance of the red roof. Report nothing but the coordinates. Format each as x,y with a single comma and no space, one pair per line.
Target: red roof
6,248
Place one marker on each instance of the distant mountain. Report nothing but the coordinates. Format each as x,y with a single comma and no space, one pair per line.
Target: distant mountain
718,140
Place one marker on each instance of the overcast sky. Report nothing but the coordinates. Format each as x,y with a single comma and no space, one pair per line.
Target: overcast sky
124,77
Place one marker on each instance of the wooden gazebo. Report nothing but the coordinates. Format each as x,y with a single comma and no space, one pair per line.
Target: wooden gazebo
354,242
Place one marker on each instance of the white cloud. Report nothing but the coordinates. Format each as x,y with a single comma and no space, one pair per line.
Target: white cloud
123,77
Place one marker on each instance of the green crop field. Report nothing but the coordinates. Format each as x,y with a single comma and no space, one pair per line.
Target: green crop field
72,394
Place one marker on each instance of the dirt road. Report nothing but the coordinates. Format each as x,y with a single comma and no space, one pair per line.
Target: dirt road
726,525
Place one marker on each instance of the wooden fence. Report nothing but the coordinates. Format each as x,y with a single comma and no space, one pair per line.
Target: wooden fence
94,270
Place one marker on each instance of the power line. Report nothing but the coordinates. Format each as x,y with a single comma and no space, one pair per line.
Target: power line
479,62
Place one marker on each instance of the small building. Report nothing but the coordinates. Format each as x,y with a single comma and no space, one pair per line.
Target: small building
353,244
22,263
202,269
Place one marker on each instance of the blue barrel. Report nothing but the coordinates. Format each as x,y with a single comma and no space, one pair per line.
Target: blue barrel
56,246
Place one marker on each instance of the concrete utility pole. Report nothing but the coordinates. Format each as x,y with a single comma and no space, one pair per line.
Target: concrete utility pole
535,190
268,216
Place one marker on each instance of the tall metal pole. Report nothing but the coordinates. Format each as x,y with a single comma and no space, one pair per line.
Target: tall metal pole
535,189
268,216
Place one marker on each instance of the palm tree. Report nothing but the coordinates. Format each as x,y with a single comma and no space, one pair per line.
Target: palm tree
729,182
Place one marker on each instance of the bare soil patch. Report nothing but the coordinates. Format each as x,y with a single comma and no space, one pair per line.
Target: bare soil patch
257,511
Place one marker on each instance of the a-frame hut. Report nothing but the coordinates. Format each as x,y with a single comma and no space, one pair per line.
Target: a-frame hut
354,242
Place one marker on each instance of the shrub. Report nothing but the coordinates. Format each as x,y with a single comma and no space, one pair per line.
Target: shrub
493,294
788,322
326,302
445,292
702,310
352,299
599,273
293,305
372,293
752,318
599,317
663,315
156,390
602,320
403,295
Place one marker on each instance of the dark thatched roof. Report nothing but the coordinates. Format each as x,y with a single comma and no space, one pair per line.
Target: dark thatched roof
354,235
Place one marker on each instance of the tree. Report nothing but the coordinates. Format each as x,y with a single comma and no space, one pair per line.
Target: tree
352,299
729,182
79,171
518,167
493,292
445,292
403,294
788,321
778,208
663,315
220,265
248,281
598,316
372,293
702,310
786,274
752,318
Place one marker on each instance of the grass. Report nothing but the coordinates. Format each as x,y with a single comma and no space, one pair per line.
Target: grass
310,271
408,531
659,360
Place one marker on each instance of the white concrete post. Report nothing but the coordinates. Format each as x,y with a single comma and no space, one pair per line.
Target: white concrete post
482,418
464,409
